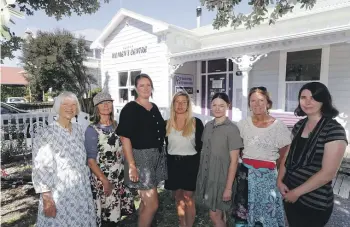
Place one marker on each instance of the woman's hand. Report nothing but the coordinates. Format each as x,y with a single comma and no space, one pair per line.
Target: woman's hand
133,174
227,195
107,187
282,188
291,197
49,205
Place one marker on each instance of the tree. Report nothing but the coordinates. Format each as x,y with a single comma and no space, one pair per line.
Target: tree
53,8
226,12
56,60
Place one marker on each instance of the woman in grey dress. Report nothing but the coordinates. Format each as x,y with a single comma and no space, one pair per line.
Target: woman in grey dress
60,173
219,161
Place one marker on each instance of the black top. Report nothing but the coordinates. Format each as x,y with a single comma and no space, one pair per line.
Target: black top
301,142
145,129
197,136
322,197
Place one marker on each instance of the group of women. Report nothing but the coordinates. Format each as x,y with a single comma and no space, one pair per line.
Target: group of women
258,166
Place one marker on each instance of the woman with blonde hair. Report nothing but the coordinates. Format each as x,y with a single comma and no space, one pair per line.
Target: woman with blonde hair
105,159
183,140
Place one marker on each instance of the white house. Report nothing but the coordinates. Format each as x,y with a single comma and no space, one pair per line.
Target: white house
302,46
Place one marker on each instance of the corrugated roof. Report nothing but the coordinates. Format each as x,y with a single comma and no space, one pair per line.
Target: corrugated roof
13,76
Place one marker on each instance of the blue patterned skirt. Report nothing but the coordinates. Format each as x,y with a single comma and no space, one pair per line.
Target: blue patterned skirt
258,201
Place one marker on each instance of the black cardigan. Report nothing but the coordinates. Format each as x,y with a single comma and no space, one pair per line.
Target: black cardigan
198,136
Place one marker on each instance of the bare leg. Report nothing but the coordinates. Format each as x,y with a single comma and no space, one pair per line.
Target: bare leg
148,207
217,218
190,211
180,206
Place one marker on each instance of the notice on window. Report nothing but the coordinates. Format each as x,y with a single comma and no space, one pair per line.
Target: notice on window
217,84
182,80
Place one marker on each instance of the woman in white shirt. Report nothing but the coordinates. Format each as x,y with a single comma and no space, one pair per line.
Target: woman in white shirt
265,139
183,139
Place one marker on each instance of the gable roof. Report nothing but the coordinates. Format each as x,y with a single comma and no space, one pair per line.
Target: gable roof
157,26
13,76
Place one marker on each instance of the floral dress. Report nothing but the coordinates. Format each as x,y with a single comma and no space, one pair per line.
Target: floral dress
110,161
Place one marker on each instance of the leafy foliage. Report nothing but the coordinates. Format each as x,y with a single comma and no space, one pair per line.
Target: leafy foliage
12,91
55,60
52,8
226,11
8,47
59,8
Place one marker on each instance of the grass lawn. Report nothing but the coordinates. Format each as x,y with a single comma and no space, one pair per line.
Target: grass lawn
167,216
19,205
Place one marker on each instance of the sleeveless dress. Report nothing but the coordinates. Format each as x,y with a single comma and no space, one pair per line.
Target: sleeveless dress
110,161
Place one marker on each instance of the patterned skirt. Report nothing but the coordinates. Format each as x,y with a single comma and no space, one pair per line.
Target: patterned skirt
110,209
257,193
151,166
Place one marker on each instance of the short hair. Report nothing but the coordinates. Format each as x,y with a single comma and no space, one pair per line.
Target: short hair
320,93
64,95
222,96
264,92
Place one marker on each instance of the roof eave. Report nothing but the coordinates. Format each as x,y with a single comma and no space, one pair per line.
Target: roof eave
158,26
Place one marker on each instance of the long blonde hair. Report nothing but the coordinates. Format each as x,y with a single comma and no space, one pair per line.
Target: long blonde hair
189,123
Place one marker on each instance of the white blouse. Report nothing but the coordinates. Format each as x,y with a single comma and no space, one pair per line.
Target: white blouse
263,143
180,145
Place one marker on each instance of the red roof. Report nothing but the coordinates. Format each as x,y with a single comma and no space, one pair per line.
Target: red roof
13,76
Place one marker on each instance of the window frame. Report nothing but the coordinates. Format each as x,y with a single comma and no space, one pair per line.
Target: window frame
128,86
282,84
206,74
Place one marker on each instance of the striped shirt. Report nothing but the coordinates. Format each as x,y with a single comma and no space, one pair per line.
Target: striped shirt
321,198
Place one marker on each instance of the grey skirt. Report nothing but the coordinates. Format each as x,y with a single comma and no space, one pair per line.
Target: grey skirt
151,167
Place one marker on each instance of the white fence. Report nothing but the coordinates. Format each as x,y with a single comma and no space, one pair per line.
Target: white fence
23,125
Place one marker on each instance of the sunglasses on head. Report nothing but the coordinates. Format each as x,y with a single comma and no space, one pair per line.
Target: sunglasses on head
258,88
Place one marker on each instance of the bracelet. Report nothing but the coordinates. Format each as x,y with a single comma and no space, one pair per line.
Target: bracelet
228,189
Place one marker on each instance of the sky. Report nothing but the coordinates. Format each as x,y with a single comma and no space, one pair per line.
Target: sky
178,12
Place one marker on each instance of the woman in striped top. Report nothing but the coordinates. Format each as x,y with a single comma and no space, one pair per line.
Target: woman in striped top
316,152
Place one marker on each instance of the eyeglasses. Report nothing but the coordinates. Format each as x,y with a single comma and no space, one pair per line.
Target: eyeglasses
258,88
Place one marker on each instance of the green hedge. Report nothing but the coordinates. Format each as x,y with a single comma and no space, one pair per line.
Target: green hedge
12,91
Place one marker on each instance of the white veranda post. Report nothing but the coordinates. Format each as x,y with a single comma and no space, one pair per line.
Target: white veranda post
172,69
245,64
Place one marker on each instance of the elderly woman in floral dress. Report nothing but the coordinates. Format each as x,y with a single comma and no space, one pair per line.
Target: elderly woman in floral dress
60,172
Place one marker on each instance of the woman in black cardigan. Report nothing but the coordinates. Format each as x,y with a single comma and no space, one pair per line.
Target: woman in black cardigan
184,144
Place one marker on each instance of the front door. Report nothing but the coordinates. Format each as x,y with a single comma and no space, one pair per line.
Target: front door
216,83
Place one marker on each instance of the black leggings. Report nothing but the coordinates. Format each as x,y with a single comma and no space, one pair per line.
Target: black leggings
299,215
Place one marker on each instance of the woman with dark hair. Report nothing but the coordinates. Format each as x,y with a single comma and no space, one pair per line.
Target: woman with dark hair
266,139
219,161
314,157
142,131
184,144
105,159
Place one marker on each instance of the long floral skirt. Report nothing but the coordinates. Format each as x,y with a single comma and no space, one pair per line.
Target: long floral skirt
257,193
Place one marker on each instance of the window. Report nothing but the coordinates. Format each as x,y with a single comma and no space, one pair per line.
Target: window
302,67
97,53
126,85
217,66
